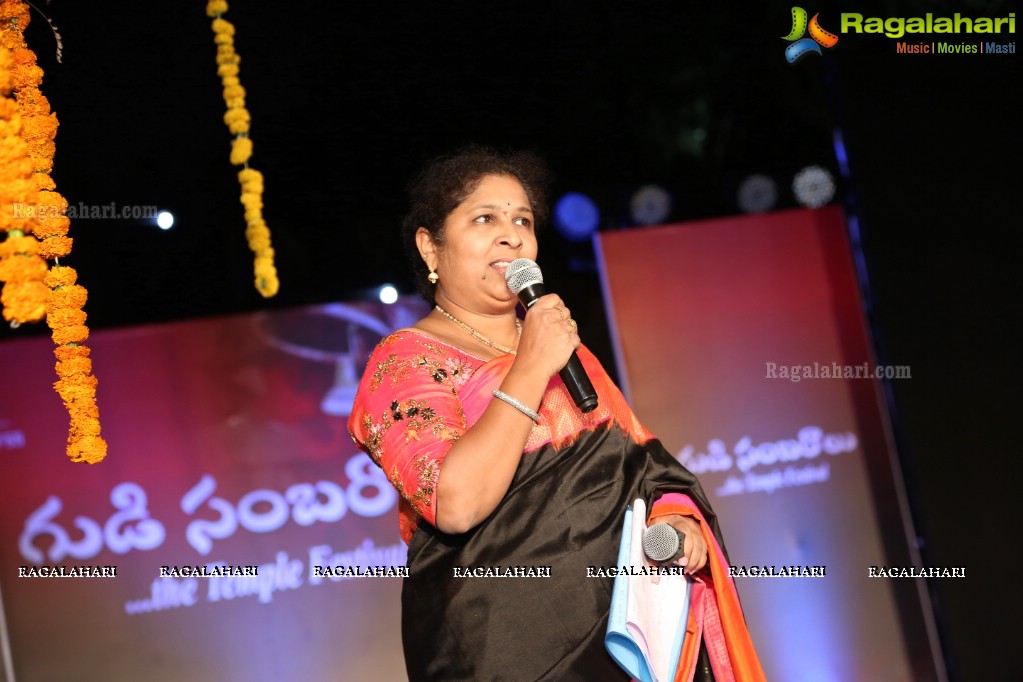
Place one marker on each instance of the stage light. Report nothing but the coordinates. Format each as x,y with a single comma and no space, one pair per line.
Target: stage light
165,220
388,294
650,204
813,187
576,216
757,194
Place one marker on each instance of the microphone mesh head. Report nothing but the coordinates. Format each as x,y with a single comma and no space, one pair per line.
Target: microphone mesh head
522,273
661,542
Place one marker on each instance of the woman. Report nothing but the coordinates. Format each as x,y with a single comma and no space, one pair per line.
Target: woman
495,465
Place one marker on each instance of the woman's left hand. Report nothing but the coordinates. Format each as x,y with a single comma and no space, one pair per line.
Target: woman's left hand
694,548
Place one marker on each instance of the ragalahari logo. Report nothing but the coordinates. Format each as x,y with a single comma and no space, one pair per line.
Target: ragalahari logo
804,46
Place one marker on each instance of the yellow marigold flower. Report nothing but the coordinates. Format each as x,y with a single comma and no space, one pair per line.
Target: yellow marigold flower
267,283
75,365
75,387
73,296
236,116
8,106
215,7
90,449
260,240
241,150
255,226
18,166
66,353
81,411
61,276
27,73
43,181
19,243
88,426
65,317
249,175
23,301
35,128
74,334
53,199
49,224
41,154
223,26
23,267
55,247
6,68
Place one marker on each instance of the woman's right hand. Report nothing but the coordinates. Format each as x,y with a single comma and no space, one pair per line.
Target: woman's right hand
549,336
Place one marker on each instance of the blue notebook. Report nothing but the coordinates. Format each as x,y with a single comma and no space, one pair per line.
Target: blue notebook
647,622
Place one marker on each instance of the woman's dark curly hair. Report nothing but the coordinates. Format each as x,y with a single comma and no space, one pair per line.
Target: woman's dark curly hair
445,183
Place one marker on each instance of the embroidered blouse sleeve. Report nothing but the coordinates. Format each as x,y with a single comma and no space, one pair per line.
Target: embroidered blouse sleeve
407,414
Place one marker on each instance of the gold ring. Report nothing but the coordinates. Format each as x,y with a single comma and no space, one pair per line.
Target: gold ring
560,311
575,327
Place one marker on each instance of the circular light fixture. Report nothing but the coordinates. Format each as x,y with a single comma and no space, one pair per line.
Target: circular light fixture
757,193
650,204
165,220
813,187
388,294
576,216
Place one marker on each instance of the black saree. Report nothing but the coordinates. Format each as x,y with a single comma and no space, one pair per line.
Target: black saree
563,510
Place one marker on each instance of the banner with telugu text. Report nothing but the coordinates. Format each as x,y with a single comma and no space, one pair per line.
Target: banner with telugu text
229,457
741,343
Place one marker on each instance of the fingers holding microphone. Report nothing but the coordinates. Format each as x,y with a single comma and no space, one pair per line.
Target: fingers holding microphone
566,317
564,314
525,281
693,552
549,334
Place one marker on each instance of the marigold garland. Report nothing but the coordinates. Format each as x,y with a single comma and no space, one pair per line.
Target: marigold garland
32,214
237,119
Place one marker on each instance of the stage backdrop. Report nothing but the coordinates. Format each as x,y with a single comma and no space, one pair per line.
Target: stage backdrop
228,445
710,320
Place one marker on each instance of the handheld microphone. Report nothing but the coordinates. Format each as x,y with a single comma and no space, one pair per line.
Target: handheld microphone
663,543
526,282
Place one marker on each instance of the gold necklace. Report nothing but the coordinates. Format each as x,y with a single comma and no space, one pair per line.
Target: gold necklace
479,337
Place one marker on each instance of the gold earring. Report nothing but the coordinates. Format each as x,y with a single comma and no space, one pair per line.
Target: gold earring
433,277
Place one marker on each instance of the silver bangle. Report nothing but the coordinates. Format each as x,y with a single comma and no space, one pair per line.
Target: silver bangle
501,395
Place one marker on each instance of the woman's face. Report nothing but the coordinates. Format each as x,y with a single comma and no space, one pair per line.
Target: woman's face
492,227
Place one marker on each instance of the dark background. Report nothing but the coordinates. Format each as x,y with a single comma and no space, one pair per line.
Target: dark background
348,100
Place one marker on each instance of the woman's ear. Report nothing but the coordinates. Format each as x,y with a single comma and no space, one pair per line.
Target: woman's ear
427,247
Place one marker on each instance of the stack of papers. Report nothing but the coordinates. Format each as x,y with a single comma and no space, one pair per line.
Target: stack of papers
647,624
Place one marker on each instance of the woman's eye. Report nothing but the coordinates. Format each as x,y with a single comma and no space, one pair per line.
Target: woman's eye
524,222
486,218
